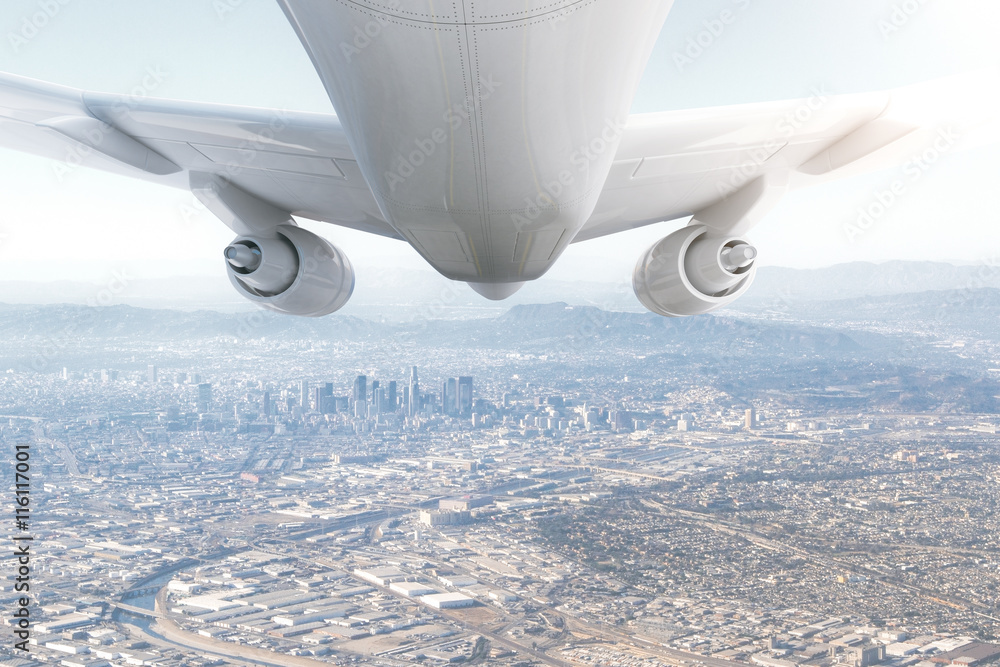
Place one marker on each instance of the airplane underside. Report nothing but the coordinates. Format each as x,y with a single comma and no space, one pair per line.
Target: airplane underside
485,132
489,135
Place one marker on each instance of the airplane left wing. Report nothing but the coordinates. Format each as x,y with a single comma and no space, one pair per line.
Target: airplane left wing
297,163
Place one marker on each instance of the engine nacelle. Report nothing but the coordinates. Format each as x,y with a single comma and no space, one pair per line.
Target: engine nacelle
291,271
693,271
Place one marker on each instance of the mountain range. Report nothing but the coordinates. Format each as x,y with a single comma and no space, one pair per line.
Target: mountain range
389,294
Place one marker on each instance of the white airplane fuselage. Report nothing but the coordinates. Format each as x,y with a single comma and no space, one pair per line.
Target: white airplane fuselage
485,128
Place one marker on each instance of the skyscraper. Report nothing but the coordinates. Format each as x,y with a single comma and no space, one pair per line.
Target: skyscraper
750,419
204,397
414,403
304,394
361,389
449,396
391,407
327,404
464,397
151,374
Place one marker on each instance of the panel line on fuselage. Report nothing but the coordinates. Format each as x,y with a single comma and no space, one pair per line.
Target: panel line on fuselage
476,124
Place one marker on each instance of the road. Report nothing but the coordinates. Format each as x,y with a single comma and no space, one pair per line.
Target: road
166,633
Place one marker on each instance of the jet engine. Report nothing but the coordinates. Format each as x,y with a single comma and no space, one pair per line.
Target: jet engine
693,271
291,271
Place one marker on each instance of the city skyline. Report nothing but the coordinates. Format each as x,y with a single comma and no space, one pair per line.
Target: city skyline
619,504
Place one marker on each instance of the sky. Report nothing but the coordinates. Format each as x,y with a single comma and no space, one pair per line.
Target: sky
91,224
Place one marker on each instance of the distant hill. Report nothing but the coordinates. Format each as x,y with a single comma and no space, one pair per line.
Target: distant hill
966,312
808,360
389,294
863,279
543,329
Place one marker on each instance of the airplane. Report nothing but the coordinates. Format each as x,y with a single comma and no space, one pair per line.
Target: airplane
490,136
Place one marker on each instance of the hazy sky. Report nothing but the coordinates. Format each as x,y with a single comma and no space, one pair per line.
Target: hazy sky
93,223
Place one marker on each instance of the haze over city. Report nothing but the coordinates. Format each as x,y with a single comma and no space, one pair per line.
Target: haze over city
804,472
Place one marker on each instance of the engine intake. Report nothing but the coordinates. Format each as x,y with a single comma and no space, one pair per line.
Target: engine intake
293,271
693,271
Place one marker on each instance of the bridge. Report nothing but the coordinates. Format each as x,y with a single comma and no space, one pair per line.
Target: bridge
133,593
137,611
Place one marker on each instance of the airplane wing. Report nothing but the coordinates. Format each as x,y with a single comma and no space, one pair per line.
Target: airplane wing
676,164
669,165
297,162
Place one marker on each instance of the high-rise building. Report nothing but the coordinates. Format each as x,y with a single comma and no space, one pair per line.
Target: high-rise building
376,397
750,419
449,396
265,404
204,397
326,404
361,389
413,406
304,394
391,399
151,374
464,396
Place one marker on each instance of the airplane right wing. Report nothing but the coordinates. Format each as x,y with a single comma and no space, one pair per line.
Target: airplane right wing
681,163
